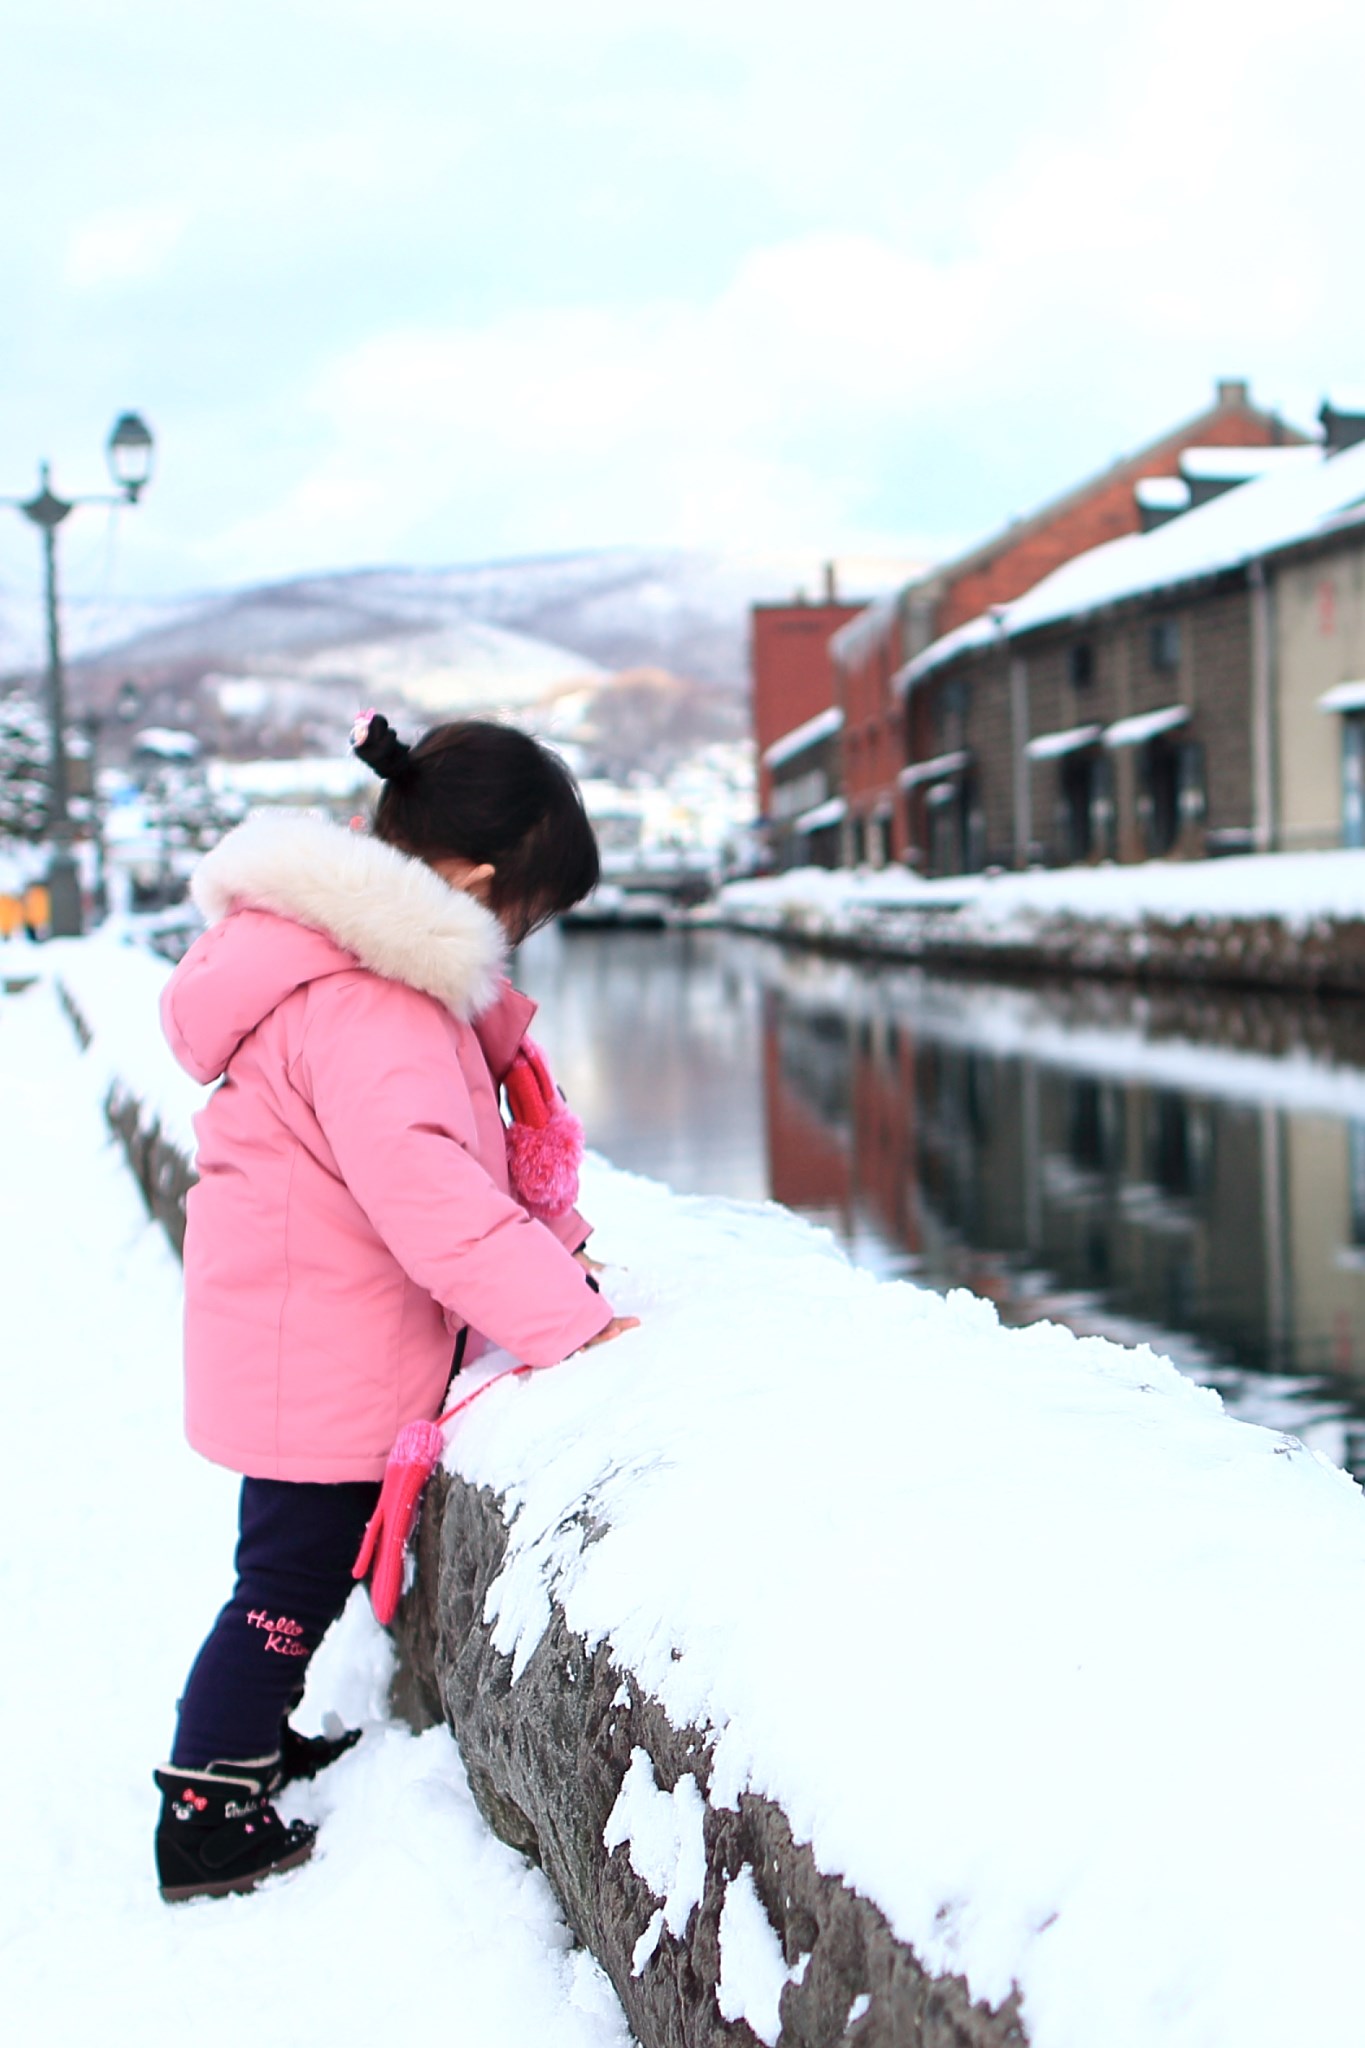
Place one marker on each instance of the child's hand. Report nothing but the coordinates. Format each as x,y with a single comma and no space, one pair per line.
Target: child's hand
589,1265
617,1327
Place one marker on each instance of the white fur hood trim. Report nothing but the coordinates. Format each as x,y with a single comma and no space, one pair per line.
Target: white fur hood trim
391,911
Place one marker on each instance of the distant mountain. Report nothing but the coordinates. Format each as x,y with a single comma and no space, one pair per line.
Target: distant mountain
637,656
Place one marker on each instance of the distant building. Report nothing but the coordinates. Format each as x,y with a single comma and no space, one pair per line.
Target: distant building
1198,688
891,817
795,722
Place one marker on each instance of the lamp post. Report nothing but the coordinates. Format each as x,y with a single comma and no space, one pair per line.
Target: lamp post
129,451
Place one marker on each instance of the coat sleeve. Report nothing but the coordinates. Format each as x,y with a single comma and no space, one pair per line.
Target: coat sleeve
379,1066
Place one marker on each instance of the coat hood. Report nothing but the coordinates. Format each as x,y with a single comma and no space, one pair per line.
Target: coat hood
290,899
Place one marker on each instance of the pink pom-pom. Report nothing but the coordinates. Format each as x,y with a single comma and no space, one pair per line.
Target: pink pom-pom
543,1163
419,1444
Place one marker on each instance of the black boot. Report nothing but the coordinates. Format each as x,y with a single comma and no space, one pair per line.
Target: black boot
303,1756
219,1833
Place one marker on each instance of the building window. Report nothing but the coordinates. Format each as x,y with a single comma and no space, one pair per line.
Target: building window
1163,645
1080,665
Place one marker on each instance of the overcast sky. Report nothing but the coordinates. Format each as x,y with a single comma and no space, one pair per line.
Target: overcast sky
418,281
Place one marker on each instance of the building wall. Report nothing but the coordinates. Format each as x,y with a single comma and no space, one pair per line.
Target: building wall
967,704
800,784
1319,641
874,741
793,674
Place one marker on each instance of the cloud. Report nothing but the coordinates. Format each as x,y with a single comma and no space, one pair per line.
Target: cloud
126,245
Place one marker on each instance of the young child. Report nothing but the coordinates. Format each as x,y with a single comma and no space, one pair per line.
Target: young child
352,1226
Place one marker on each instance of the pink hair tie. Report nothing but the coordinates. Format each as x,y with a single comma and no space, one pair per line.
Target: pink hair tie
360,731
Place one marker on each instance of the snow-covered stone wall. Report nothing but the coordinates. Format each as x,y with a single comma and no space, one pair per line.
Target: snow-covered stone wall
715,1924
1284,921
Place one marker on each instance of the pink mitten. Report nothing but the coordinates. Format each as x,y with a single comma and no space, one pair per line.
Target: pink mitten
544,1140
415,1455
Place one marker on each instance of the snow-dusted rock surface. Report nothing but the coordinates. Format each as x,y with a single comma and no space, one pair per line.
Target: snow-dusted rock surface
1016,1683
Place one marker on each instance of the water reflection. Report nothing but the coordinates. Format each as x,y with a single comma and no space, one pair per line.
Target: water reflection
1176,1169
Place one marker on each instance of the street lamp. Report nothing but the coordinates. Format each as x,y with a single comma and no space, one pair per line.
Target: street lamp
129,451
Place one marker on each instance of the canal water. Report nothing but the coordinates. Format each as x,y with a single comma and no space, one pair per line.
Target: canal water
1178,1169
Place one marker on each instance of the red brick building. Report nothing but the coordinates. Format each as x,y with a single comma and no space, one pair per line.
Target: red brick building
870,652
793,686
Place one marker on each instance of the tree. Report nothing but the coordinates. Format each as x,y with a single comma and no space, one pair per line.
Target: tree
183,808
24,754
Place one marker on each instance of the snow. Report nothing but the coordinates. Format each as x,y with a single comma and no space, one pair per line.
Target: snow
115,1548
831,812
822,727
280,781
1162,493
1145,725
1035,1646
934,770
1050,746
666,1846
1300,889
1238,465
856,640
1343,697
1108,1568
167,742
753,1969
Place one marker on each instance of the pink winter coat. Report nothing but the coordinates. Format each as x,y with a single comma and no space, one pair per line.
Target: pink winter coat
352,1213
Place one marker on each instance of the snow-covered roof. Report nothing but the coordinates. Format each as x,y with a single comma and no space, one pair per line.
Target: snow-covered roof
1343,697
1162,493
935,770
275,781
1145,725
854,641
1239,465
829,813
167,743
1050,746
1300,502
822,727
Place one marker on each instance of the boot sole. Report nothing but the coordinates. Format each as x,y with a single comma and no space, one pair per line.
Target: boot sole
176,1894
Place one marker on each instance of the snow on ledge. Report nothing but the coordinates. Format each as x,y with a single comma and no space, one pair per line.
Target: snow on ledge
1343,697
1050,746
822,727
1145,725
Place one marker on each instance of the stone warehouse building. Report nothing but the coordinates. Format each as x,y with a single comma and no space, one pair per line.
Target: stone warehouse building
872,651
1199,688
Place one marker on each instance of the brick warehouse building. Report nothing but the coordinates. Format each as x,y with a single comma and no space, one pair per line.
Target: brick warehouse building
1158,697
871,653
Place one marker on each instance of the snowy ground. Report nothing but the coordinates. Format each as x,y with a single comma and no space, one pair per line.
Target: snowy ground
115,1548
1048,1656
1299,888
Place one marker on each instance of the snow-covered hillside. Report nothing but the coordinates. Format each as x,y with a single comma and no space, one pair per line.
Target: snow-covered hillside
638,653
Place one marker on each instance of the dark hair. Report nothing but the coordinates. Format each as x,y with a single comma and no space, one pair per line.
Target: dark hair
480,792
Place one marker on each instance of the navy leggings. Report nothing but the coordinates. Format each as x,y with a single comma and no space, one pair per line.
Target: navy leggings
297,1544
